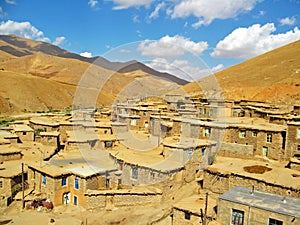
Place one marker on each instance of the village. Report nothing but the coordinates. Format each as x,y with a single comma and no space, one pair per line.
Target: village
240,160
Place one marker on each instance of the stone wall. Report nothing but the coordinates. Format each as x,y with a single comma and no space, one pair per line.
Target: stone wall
10,156
221,183
236,150
181,217
121,198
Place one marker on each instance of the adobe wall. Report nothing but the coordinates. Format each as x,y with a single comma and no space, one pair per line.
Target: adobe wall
10,156
252,215
121,198
236,150
28,136
179,218
221,183
292,140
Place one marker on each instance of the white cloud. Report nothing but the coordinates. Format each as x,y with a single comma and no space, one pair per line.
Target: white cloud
86,54
207,11
125,4
183,68
170,47
248,42
12,2
288,21
92,3
22,29
59,40
136,19
155,13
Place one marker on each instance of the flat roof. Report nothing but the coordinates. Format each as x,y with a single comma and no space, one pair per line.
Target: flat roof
22,128
278,176
281,204
53,133
44,121
10,169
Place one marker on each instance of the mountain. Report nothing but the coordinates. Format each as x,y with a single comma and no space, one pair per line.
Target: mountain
273,77
18,47
37,76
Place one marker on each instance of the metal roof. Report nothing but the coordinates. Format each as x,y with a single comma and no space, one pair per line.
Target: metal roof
263,200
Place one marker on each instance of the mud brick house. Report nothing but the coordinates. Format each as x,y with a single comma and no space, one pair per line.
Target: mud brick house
50,138
245,206
268,140
8,136
10,181
191,210
64,185
8,152
24,132
45,124
226,173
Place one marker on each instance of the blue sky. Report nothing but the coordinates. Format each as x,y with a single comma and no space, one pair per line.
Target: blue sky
194,36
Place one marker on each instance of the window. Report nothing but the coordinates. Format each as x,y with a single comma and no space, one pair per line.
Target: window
269,138
206,132
265,151
1,184
132,122
242,133
108,144
274,222
24,133
211,112
63,181
187,215
75,200
298,147
134,173
44,181
49,139
298,132
254,134
190,154
76,184
203,151
237,217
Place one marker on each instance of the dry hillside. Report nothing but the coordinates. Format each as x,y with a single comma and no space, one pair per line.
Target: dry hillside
272,77
36,81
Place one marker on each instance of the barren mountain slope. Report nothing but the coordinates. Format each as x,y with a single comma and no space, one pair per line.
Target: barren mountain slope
100,86
272,77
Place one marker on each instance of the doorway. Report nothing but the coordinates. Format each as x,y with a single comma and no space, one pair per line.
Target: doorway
66,198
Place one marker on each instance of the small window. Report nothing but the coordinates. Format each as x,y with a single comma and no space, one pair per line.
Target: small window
145,113
63,181
76,184
237,217
298,133
274,222
298,147
211,112
44,180
49,139
187,215
75,200
134,172
108,144
203,151
269,138
206,132
254,134
1,184
132,122
265,151
24,133
242,133
190,154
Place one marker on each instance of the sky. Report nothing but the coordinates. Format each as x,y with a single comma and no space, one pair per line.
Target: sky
188,38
